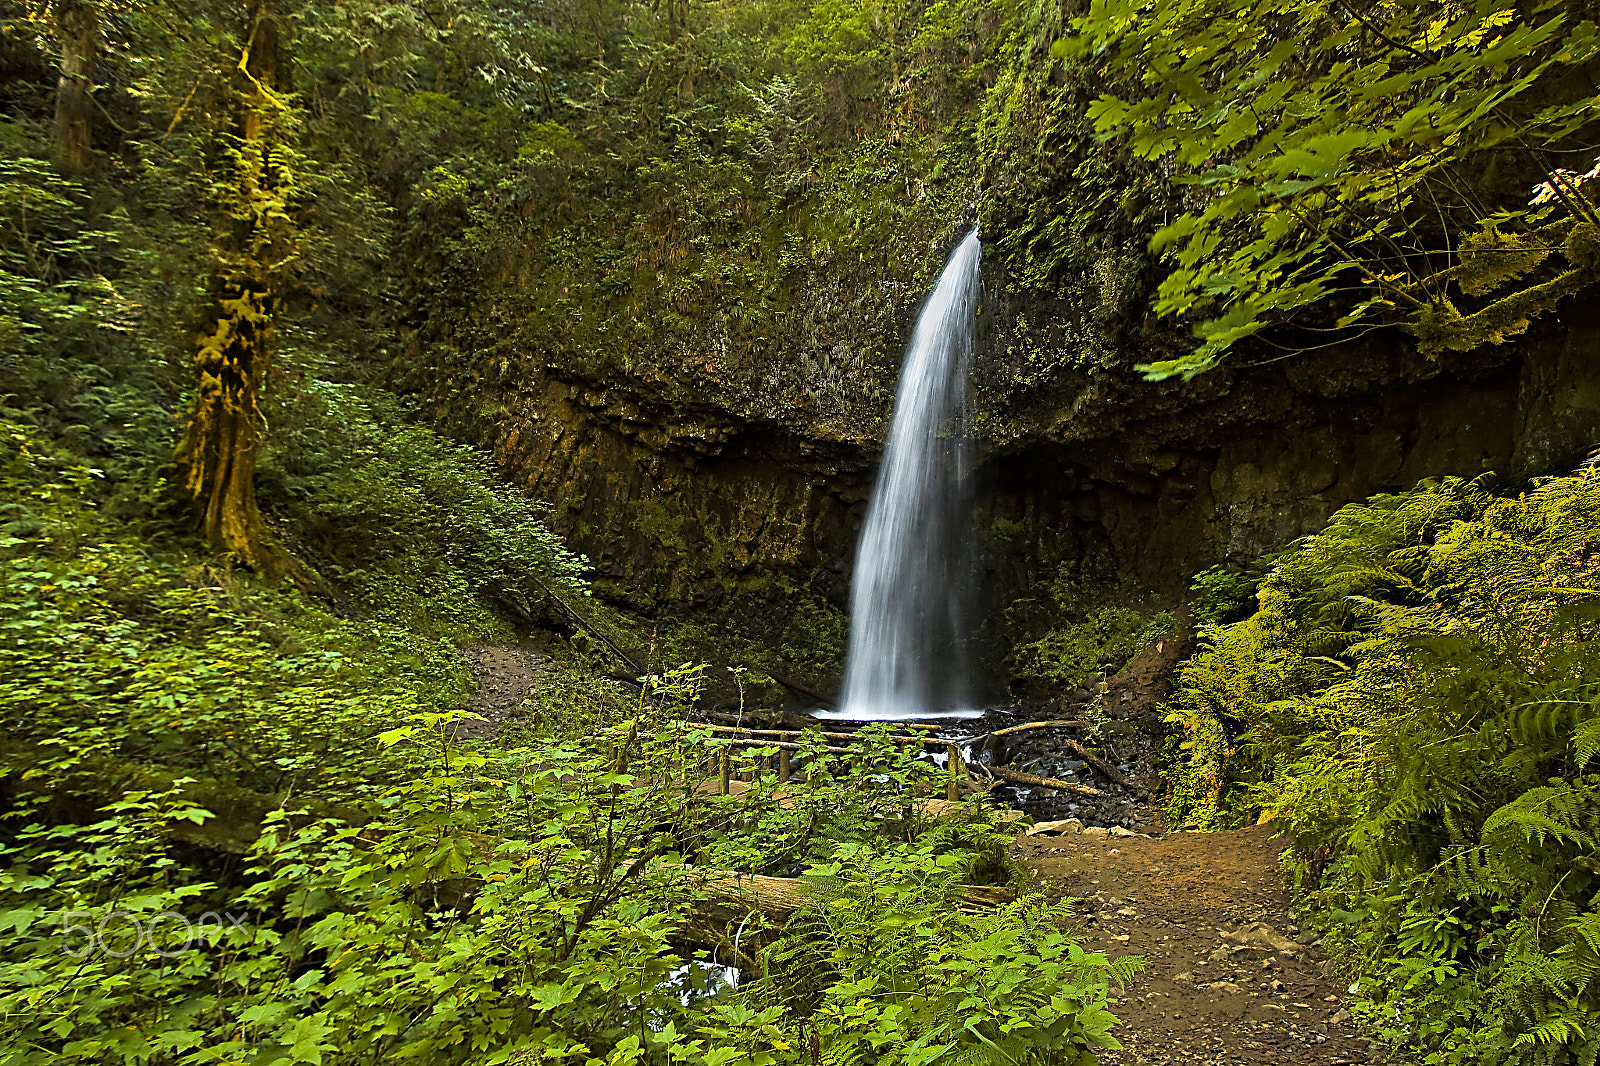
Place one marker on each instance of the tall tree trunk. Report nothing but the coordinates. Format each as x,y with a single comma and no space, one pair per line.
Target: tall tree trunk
220,444
78,35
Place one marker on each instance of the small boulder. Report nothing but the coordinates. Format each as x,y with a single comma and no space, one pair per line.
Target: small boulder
1056,828
1262,937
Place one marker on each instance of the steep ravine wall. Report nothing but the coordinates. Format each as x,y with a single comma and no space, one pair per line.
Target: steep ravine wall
1174,477
679,505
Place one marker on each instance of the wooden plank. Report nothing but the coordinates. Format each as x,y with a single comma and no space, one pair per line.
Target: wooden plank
799,733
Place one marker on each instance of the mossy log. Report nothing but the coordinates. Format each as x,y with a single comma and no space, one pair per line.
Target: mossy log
738,914
1103,768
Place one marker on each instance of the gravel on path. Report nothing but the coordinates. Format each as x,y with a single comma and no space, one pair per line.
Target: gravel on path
1229,979
506,677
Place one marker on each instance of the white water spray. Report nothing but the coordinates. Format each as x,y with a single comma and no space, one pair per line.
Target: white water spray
907,655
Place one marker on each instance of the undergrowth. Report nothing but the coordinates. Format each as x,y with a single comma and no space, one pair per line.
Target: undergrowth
1080,627
1417,700
242,825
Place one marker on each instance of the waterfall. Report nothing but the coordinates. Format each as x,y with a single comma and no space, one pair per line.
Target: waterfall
907,656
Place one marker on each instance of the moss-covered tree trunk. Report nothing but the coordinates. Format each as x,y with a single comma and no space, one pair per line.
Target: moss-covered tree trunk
224,432
77,35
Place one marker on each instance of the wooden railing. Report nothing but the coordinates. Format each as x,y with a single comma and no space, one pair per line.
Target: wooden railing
790,742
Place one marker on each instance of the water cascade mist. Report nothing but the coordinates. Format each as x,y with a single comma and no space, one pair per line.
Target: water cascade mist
908,602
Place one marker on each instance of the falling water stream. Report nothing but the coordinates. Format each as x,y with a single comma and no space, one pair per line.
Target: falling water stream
907,656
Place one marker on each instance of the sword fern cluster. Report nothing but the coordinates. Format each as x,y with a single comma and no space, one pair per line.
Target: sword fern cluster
1417,698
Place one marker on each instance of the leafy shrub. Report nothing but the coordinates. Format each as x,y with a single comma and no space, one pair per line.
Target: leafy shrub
74,289
207,858
509,906
1086,629
418,528
116,650
1418,701
1102,643
1223,594
889,969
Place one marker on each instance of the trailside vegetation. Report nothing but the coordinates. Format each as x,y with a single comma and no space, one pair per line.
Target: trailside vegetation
239,826
244,820
1416,698
1349,164
1080,627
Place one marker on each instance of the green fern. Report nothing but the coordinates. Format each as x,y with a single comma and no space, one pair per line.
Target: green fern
1418,698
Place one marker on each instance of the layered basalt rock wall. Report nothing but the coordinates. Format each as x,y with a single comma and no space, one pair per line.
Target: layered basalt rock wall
678,507
1174,477
679,502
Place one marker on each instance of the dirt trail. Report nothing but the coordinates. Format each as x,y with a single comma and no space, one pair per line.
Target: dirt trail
506,676
1227,979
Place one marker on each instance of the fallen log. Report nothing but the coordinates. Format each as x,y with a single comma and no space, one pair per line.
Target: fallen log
736,915
1025,726
594,631
777,898
795,686
237,813
1017,777
1101,767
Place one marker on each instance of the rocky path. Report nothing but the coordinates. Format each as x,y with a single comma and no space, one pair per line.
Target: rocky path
506,677
1228,978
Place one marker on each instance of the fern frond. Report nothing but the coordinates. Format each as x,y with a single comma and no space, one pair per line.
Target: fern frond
1559,1030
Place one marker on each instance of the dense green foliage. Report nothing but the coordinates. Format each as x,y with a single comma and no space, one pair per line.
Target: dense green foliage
1009,987
503,906
1415,700
168,717
1356,157
724,213
168,721
1066,218
673,186
1080,627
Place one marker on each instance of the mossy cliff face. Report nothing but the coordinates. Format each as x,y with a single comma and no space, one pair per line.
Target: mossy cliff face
681,494
1174,477
703,394
683,507
700,449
